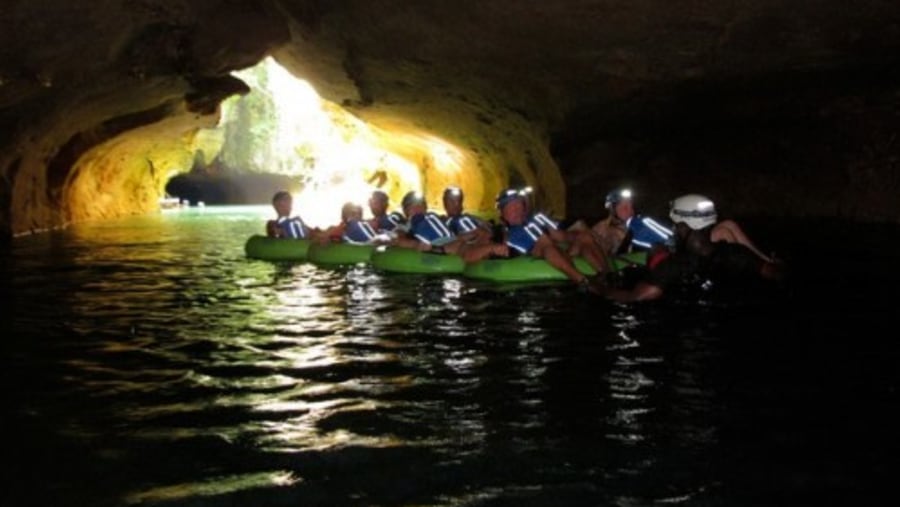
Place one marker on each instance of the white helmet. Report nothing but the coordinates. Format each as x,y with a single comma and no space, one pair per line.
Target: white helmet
695,210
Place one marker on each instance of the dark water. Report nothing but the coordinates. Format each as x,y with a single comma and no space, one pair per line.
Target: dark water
147,362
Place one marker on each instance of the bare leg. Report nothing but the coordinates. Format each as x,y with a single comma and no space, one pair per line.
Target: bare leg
585,246
546,249
578,226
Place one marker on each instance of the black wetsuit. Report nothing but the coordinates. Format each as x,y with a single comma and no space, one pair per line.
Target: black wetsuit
729,264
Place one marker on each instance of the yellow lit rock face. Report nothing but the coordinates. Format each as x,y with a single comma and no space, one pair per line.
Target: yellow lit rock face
480,159
128,174
97,124
89,91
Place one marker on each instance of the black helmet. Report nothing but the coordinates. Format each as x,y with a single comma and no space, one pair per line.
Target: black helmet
453,193
412,197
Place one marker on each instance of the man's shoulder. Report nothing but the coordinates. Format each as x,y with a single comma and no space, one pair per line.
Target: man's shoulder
608,224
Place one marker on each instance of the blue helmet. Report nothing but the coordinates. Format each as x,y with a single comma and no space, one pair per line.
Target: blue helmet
507,196
616,196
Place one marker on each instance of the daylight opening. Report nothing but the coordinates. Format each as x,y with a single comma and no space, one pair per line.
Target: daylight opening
323,154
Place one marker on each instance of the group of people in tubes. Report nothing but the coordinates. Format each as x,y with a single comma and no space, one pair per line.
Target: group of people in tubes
693,247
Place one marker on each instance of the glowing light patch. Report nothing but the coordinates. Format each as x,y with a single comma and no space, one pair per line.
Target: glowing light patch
447,157
333,154
213,486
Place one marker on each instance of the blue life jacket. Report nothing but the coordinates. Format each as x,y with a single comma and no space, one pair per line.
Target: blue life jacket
522,238
359,232
390,221
429,228
543,221
646,232
463,223
292,227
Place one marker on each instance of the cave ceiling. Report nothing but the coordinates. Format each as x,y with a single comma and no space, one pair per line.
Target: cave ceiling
525,87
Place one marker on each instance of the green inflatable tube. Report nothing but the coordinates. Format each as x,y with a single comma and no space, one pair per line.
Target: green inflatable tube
335,254
521,269
531,269
628,260
409,260
276,249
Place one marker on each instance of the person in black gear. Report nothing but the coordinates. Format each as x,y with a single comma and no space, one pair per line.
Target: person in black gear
697,260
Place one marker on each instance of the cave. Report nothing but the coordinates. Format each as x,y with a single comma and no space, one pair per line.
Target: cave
149,359
769,109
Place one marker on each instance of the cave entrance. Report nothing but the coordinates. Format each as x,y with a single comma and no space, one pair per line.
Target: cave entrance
282,135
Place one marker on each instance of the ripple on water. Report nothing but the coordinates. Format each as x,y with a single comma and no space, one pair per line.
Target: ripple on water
149,362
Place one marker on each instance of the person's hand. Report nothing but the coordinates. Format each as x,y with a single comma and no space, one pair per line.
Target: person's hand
593,285
774,270
382,239
500,250
480,234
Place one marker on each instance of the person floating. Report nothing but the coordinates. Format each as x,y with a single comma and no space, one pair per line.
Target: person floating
699,212
696,258
381,220
457,220
574,240
624,230
426,231
285,225
534,234
352,228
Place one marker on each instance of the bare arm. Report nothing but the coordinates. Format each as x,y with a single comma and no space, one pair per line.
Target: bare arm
272,229
328,235
407,242
476,252
730,231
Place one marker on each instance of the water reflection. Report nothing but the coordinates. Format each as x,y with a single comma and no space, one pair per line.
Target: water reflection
213,486
152,354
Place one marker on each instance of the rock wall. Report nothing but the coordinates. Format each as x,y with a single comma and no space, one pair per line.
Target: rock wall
97,98
826,146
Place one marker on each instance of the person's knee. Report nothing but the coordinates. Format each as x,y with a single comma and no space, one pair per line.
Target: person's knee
543,245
